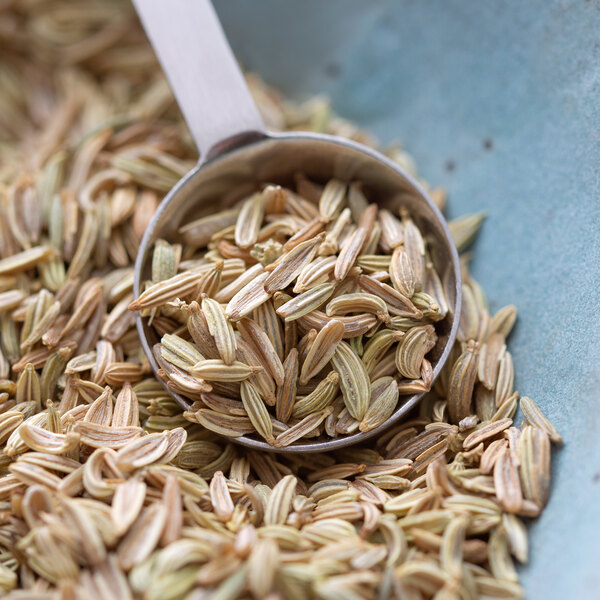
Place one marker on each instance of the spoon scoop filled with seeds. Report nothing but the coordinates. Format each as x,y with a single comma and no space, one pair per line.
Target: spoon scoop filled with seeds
294,291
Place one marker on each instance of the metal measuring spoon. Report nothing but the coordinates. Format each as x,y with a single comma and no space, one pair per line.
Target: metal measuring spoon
236,152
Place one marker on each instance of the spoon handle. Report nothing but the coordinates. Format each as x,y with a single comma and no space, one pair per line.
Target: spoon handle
204,75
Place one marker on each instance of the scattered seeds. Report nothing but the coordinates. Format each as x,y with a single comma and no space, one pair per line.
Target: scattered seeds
289,315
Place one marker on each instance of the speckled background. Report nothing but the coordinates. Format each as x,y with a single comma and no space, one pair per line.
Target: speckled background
499,102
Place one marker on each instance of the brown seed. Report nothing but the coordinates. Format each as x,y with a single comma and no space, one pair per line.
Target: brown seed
354,380
227,425
142,451
287,268
321,350
332,199
535,417
226,293
199,232
280,501
267,319
249,221
322,396
42,440
248,298
25,260
312,229
357,302
127,504
286,393
302,428
507,483
262,345
198,329
462,382
220,497
315,273
143,537
384,398
392,232
306,302
220,328
157,294
397,304
490,357
349,253
119,373
257,411
502,322
534,459
101,410
332,239
217,370
102,436
485,432
353,325
464,229
412,348
261,379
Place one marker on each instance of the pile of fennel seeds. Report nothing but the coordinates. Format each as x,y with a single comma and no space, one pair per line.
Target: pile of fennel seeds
107,491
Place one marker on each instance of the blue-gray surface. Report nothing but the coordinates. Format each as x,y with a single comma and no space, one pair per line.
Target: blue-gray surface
498,102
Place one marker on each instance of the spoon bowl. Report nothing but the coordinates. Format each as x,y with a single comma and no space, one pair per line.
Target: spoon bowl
238,157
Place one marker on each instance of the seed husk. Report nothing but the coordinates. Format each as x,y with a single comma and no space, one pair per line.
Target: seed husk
257,411
465,229
534,465
262,345
535,417
248,298
302,428
142,538
249,221
227,425
461,384
288,267
220,328
354,380
485,432
321,350
199,232
25,260
411,350
286,393
218,370
306,302
322,396
398,305
103,436
384,398
158,293
506,481
359,302
332,199
351,249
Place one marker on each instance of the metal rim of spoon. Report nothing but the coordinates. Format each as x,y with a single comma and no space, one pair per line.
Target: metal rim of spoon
236,151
